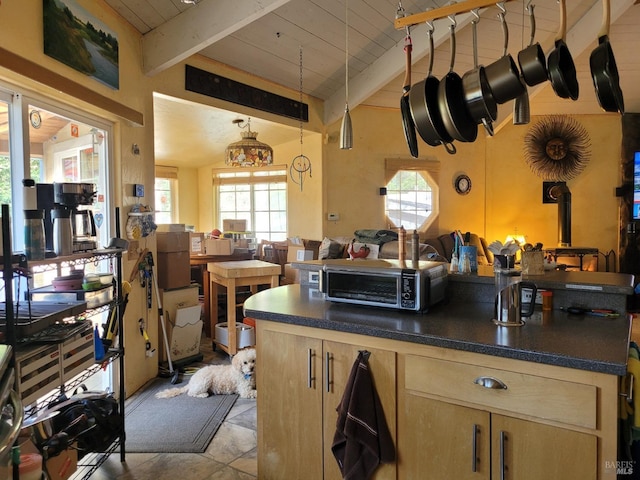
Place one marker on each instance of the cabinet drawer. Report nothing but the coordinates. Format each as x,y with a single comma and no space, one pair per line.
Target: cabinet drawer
545,398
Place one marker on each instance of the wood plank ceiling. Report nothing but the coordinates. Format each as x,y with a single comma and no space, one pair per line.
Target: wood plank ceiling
263,37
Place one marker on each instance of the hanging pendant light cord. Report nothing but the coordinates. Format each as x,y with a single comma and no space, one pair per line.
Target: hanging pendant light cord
300,99
346,51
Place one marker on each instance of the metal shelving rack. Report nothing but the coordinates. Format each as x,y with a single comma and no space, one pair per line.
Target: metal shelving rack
92,461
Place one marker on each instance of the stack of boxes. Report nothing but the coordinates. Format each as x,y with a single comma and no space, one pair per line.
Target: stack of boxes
173,265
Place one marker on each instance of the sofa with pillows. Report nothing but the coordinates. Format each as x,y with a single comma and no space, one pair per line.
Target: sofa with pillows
381,244
437,248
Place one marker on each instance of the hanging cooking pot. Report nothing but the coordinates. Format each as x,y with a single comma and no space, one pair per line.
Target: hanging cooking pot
423,100
455,116
503,75
532,61
477,93
604,70
562,70
405,109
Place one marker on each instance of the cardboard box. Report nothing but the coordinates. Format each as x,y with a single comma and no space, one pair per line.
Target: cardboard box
196,241
173,301
60,467
291,275
234,225
297,253
173,269
173,241
218,246
171,227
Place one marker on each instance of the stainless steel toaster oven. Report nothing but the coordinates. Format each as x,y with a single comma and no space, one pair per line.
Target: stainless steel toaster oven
412,286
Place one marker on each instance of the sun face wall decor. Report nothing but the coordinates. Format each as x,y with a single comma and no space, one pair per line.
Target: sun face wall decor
557,148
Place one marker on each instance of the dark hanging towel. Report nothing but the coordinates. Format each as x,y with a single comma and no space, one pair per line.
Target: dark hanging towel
362,440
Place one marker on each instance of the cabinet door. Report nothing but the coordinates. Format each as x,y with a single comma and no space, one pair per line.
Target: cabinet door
289,406
441,440
525,450
338,360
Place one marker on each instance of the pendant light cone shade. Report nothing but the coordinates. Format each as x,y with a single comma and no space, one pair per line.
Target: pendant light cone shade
521,112
346,132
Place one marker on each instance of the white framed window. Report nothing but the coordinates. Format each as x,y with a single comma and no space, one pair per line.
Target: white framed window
412,193
257,195
166,194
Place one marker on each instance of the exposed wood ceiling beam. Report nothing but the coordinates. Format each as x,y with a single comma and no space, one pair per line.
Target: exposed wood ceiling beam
197,28
385,69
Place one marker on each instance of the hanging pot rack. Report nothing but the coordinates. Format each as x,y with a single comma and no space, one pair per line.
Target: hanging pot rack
444,12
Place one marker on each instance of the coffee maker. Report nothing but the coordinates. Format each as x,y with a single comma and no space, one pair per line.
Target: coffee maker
78,198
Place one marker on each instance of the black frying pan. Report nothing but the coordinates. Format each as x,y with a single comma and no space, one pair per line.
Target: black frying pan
407,120
423,100
478,97
533,64
453,109
562,70
604,70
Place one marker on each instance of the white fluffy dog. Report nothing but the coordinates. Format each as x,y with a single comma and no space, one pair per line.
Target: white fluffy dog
239,377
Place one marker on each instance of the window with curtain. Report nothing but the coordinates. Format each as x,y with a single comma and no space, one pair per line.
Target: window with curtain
412,193
257,195
166,194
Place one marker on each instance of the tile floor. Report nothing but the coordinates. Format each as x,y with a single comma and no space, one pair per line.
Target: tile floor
231,455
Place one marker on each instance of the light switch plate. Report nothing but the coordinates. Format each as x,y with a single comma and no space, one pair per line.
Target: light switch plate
138,190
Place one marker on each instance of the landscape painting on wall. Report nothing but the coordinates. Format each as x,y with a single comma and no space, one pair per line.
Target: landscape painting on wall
81,41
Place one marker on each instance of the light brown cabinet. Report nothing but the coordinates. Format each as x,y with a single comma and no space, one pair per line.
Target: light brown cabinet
448,410
299,393
500,419
452,441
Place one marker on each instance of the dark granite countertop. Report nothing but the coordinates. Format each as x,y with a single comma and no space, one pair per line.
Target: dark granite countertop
583,342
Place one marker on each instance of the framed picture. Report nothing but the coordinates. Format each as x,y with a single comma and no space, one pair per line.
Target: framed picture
81,41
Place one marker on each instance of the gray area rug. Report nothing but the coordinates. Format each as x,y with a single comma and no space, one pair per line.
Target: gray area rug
181,424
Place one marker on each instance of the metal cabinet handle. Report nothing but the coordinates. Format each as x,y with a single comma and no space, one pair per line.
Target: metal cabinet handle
327,375
503,439
490,382
474,448
310,377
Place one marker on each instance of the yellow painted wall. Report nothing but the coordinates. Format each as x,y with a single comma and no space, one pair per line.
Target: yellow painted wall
21,32
505,195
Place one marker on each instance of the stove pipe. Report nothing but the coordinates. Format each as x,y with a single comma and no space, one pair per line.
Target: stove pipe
562,195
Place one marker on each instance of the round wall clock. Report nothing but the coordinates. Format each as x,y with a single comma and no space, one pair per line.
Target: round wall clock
462,184
36,120
557,148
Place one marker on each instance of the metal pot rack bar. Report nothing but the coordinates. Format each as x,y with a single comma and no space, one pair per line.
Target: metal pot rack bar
443,12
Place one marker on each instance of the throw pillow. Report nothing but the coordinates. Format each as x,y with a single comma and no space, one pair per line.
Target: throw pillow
330,249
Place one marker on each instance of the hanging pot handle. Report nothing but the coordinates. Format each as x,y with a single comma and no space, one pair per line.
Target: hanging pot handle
474,31
452,36
430,30
505,29
532,22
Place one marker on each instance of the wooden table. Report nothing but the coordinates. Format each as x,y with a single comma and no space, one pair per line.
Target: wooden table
200,262
231,275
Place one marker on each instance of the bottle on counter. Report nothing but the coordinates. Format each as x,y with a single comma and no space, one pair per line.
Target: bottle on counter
415,246
454,263
34,242
402,240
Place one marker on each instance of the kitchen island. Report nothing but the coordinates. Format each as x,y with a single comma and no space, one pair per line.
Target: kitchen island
461,395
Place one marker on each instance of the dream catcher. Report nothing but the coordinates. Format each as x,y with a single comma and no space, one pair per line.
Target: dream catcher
300,165
557,148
